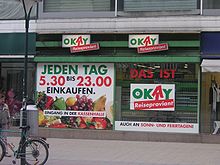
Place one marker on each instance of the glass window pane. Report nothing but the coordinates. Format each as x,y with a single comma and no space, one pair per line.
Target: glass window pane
11,81
159,5
183,75
76,6
211,4
13,9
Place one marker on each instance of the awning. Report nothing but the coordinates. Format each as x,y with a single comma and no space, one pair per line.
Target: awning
210,65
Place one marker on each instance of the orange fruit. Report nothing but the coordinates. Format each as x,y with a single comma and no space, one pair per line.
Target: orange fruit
70,101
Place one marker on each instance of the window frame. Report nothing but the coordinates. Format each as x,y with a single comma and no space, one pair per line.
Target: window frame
43,15
110,14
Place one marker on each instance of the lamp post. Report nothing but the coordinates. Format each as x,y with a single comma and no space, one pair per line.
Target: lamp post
27,6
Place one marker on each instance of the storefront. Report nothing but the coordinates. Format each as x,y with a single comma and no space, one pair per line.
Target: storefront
147,82
210,93
12,46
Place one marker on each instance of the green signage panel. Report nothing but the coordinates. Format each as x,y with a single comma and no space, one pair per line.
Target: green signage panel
14,43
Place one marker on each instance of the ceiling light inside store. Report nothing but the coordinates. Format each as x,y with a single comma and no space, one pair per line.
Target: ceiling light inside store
142,66
157,66
185,66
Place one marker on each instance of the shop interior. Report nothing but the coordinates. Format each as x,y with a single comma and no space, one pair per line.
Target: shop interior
11,82
210,100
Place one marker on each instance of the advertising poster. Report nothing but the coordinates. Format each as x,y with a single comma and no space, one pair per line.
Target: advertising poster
159,97
75,95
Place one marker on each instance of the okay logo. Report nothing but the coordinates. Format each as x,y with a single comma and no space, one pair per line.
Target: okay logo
143,40
152,91
75,40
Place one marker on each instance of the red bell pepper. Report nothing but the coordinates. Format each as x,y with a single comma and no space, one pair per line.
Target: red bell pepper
49,102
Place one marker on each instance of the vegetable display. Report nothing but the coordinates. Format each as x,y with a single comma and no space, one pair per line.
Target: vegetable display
72,103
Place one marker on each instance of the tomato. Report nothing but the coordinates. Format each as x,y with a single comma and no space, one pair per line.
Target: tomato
100,123
82,125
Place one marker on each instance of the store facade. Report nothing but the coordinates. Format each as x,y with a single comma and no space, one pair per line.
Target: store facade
210,103
133,82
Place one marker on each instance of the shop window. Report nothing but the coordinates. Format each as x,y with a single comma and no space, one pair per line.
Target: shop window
210,98
182,77
12,84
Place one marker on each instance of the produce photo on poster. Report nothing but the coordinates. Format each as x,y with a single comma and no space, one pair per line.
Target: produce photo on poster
156,97
75,95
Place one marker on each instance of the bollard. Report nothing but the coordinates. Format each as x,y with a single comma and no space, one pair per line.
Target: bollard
32,119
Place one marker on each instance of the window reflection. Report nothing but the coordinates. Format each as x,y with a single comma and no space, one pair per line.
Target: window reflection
75,5
11,81
13,9
211,4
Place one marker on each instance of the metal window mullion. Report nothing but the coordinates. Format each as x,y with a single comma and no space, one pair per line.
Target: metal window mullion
201,7
116,8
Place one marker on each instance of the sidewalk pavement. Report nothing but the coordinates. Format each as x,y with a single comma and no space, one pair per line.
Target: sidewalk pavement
115,152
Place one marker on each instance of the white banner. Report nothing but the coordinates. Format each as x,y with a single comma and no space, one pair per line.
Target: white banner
157,127
74,113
